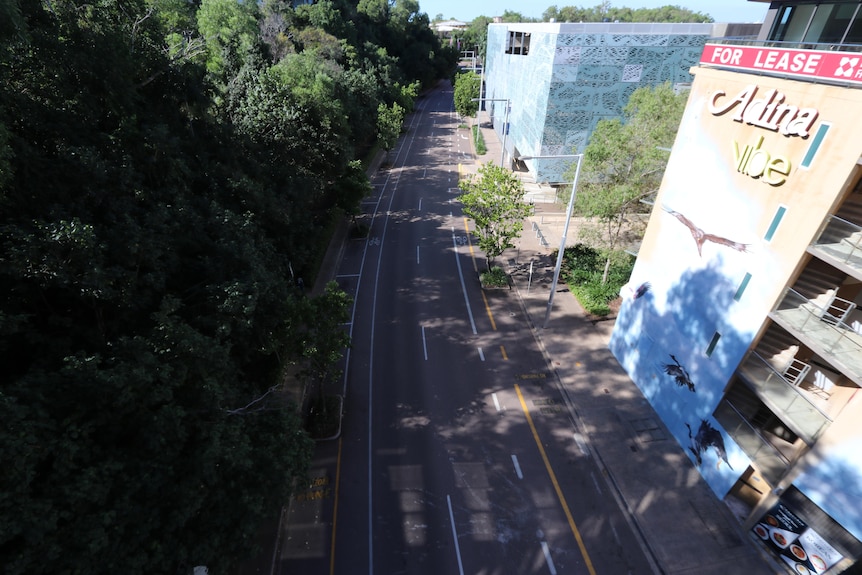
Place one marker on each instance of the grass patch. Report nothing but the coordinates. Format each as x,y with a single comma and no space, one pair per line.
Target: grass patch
582,271
479,140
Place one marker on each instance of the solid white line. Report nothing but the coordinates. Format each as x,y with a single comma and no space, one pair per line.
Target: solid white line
496,401
455,535
481,354
424,345
550,561
517,466
596,483
463,285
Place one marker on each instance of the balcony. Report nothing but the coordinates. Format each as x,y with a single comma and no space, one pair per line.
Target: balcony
820,325
771,463
840,243
781,392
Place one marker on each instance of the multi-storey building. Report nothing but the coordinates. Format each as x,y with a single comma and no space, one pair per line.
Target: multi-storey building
742,322
547,85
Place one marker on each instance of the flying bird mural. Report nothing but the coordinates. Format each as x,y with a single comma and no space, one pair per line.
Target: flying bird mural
680,375
641,290
707,436
701,237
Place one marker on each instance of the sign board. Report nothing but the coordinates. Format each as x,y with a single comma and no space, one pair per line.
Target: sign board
842,67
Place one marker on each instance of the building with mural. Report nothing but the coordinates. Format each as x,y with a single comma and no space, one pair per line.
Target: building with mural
742,322
547,85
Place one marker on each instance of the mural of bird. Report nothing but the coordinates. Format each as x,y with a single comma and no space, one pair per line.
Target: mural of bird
701,237
641,290
680,375
707,436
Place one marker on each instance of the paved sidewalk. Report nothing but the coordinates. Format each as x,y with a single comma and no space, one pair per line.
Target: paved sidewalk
683,526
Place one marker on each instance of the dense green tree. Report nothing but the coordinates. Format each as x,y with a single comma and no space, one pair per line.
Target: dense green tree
165,168
389,122
604,12
623,163
467,85
495,202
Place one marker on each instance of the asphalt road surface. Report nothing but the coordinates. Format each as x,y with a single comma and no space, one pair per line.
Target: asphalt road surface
458,454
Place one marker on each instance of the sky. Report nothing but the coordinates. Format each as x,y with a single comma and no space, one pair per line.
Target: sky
467,10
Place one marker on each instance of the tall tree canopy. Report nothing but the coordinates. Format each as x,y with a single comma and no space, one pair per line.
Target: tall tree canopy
165,168
625,160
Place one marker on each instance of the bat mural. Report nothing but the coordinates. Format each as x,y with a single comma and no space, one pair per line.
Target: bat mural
680,375
701,237
707,436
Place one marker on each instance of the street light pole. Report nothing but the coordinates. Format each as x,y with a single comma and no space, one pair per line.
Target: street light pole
563,242
569,209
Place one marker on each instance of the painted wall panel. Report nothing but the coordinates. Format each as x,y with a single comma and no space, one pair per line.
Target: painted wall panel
708,231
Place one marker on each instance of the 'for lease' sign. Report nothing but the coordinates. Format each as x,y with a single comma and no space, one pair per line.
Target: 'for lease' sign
843,67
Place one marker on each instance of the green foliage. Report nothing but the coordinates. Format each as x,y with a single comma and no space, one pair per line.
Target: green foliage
623,163
604,12
479,141
166,168
467,86
494,277
324,337
389,122
583,272
495,202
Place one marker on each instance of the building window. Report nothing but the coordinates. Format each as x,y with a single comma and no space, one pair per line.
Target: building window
712,343
779,213
822,23
519,43
815,145
742,285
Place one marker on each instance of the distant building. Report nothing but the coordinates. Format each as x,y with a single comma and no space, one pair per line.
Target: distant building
742,323
560,79
445,28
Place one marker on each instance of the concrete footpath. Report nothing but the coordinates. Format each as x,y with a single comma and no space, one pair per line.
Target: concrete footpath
682,525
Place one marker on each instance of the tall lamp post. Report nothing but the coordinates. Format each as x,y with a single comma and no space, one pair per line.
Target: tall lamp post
505,122
569,209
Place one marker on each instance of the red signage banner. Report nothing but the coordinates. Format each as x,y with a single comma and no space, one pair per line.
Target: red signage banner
841,67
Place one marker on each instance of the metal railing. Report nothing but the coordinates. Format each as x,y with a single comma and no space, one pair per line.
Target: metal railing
824,329
788,401
771,463
842,241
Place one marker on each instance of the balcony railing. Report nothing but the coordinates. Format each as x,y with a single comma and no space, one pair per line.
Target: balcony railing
768,460
842,241
779,391
823,328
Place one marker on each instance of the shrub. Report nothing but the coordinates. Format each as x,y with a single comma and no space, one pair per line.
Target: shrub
479,140
582,271
495,277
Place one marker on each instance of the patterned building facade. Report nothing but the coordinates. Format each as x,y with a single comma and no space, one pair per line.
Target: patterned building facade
559,80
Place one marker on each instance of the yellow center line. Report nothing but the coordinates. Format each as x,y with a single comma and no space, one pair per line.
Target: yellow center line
488,311
553,477
335,509
503,350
